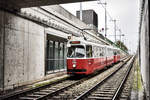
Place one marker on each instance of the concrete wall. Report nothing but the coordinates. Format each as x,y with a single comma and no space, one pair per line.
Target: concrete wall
66,15
1,50
23,50
144,45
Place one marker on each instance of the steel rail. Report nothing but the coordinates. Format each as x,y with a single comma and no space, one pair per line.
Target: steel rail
60,90
119,89
82,96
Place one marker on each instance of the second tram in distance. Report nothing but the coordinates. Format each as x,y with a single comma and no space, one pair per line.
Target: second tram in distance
85,57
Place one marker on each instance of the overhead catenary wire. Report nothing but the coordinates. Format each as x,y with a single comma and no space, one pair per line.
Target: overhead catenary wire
107,12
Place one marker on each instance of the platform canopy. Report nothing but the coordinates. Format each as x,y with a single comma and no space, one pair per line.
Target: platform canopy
35,3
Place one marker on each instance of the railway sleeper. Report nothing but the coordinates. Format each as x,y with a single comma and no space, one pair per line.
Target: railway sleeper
102,95
123,97
34,95
103,92
27,98
100,98
49,91
109,90
41,93
61,97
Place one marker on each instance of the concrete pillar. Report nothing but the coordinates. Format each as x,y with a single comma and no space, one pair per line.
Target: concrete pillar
1,51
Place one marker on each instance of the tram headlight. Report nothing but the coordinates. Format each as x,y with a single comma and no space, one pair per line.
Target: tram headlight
74,65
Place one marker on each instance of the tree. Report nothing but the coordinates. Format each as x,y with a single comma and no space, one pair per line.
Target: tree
121,45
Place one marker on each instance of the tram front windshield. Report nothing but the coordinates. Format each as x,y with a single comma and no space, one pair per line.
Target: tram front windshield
76,51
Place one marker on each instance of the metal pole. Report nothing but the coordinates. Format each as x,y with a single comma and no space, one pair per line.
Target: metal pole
120,37
105,16
115,29
105,21
81,11
120,40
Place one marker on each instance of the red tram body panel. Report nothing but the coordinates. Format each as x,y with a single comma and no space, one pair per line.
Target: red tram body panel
85,66
116,58
109,60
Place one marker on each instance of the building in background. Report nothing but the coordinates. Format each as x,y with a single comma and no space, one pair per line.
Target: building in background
89,17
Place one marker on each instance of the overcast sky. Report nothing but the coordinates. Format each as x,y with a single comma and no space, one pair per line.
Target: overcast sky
126,12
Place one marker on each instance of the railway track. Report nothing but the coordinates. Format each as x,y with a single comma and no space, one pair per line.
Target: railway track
126,91
74,92
50,91
109,88
43,91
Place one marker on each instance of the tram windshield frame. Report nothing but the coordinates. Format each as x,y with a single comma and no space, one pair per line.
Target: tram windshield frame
76,51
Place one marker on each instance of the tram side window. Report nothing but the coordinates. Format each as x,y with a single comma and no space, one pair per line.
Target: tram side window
94,51
88,51
101,52
112,52
118,52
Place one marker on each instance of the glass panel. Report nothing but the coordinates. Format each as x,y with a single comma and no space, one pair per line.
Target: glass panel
58,59
47,55
88,51
56,56
65,54
61,62
50,56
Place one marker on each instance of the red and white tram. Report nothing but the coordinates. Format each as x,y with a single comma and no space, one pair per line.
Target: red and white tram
85,57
